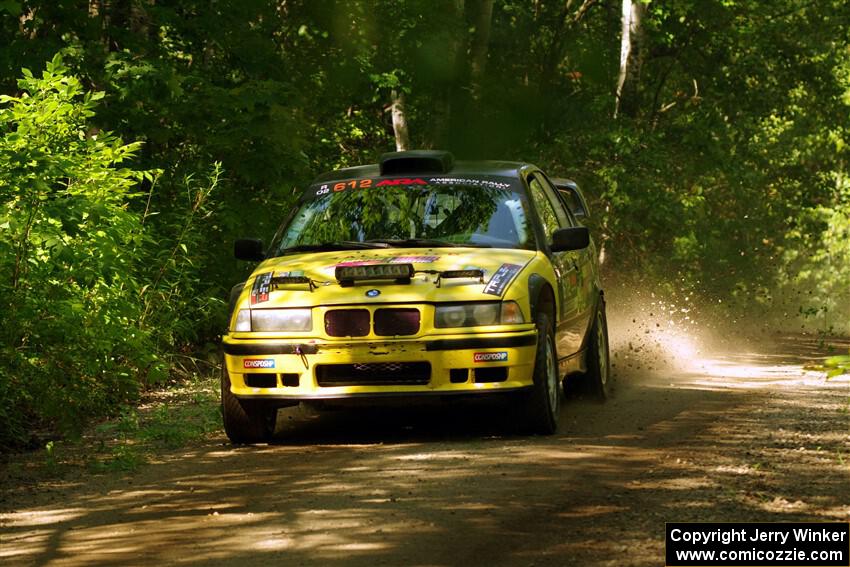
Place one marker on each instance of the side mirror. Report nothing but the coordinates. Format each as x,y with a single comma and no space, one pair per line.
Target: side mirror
573,238
250,249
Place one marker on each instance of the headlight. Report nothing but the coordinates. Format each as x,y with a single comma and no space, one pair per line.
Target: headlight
478,314
243,321
450,316
265,320
485,314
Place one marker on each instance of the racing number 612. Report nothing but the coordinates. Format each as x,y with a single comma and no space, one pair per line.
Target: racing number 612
353,184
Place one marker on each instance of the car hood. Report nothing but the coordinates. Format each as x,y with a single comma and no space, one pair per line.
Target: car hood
504,264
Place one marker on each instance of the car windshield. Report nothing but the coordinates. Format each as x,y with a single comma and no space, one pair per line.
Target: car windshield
485,212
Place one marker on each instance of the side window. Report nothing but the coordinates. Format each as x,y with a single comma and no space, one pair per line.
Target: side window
548,205
565,202
549,216
565,215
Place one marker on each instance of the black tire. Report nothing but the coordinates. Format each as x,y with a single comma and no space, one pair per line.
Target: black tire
539,408
245,421
597,380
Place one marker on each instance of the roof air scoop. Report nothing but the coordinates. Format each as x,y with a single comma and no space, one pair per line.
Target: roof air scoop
416,161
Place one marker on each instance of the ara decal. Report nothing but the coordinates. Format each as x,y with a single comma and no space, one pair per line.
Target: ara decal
402,181
501,278
261,287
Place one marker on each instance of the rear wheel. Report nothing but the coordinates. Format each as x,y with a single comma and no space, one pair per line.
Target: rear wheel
598,376
539,409
245,421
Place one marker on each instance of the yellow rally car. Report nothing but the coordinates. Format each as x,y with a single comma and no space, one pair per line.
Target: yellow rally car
417,276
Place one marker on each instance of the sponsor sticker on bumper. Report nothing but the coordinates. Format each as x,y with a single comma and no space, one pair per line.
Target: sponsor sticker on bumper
258,363
490,357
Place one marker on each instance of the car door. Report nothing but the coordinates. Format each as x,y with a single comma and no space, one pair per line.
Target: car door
587,266
569,333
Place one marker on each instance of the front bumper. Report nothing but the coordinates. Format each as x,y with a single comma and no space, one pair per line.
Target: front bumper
456,364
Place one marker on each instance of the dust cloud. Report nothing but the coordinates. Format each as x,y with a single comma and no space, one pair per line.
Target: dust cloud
676,339
650,332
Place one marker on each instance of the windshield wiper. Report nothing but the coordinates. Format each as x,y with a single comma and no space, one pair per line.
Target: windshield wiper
425,243
329,246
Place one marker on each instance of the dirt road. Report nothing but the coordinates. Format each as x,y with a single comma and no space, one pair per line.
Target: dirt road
748,436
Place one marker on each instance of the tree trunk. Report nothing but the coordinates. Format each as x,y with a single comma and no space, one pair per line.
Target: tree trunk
28,16
445,95
631,59
402,137
563,29
139,18
479,45
469,53
116,19
471,63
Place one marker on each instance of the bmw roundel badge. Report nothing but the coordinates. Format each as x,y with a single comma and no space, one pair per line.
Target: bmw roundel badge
373,293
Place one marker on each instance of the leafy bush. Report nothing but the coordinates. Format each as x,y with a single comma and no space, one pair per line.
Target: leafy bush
70,251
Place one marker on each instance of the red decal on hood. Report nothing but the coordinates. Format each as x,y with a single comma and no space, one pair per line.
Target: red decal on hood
392,260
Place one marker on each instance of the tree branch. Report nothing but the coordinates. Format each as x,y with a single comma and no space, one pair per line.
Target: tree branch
582,10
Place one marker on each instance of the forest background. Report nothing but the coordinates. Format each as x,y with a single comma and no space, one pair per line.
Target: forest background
139,138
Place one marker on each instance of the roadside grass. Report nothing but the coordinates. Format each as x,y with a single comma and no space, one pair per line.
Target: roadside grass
170,420
166,419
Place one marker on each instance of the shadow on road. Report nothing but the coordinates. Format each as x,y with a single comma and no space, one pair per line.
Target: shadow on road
749,437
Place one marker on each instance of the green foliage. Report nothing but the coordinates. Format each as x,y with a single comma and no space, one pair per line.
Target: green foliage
50,455
729,179
837,365
173,302
96,296
68,250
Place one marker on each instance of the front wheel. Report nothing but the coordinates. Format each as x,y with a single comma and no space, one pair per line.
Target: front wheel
245,421
539,408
